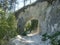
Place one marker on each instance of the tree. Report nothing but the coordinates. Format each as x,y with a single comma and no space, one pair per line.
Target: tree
8,26
30,1
24,2
8,22
7,4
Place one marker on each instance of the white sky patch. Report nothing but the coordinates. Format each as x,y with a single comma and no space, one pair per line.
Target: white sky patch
21,4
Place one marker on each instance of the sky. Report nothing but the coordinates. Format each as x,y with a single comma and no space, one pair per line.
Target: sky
20,3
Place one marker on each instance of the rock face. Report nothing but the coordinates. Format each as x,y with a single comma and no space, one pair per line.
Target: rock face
26,40
37,12
48,18
53,17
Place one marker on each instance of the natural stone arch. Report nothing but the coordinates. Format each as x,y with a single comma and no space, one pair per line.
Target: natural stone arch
35,27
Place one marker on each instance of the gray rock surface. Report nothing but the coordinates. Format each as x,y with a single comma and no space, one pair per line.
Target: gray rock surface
28,40
49,21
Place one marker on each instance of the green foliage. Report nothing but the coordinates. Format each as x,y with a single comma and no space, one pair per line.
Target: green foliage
8,23
30,26
12,25
7,4
26,29
24,33
8,26
44,37
3,42
34,24
53,38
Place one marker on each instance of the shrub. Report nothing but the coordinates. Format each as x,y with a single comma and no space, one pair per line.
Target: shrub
53,38
30,26
8,25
